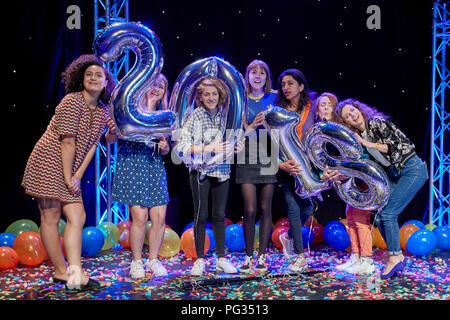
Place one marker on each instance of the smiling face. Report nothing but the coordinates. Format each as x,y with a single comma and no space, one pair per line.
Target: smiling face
257,78
209,97
325,109
291,88
94,79
353,117
156,91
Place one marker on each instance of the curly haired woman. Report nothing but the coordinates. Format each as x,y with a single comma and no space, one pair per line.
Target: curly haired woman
60,158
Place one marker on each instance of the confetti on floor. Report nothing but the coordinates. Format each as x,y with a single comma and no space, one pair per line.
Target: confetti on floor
425,278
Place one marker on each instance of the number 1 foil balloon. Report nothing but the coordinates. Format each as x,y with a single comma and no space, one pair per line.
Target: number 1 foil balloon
348,163
182,103
134,124
282,124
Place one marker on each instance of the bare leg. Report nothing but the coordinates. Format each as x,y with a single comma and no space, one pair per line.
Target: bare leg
50,210
137,230
76,217
156,236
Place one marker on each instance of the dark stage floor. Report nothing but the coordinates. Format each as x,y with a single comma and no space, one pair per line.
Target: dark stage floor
424,279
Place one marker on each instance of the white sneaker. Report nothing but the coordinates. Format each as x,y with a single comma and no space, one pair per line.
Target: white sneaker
365,265
261,266
300,265
288,246
198,268
157,268
247,266
137,269
354,259
223,265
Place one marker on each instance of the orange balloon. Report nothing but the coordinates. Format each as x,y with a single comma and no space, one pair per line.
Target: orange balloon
187,243
124,238
344,221
8,258
308,221
29,248
405,232
276,236
377,239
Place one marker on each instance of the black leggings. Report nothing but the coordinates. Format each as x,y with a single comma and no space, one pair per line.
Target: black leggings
201,190
249,193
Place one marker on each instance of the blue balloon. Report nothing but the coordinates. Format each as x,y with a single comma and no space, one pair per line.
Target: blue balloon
338,238
307,236
212,242
417,223
330,226
188,226
442,234
93,240
234,237
7,239
421,242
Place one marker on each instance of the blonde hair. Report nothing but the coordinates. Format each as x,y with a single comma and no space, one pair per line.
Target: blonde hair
212,82
164,102
259,64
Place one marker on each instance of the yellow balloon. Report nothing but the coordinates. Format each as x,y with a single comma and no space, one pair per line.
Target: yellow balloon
170,245
111,233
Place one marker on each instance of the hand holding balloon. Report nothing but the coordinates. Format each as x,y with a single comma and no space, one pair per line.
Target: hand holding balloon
291,167
259,120
332,175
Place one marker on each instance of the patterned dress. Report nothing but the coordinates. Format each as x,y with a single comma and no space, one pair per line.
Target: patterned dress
140,176
43,175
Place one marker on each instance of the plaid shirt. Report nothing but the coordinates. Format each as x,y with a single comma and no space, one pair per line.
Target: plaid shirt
201,128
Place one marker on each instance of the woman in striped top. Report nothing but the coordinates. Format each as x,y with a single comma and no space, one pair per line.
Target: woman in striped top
60,158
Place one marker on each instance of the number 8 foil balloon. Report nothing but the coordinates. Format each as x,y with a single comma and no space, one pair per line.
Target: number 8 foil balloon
134,124
182,103
281,124
348,163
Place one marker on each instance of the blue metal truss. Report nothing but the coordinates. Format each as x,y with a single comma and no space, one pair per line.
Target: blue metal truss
439,195
107,12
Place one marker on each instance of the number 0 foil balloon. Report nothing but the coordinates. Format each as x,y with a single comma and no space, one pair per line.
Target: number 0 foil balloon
134,125
182,103
281,125
348,163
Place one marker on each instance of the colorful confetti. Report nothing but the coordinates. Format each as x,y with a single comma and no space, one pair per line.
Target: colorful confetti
425,278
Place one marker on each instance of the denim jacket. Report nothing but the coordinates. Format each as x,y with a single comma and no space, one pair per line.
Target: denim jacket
400,148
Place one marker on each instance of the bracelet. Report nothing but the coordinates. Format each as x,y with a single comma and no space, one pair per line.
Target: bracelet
377,146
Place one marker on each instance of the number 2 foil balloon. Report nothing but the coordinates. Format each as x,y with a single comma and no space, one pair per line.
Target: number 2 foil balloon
281,125
349,163
182,103
134,124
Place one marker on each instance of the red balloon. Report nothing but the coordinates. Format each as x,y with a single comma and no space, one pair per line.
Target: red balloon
187,243
227,222
282,222
276,236
62,246
29,248
124,225
124,238
8,258
317,229
241,223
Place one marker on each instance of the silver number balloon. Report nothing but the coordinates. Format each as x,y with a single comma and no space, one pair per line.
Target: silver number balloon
182,103
281,124
134,124
348,163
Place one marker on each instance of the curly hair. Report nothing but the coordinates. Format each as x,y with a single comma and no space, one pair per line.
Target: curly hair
368,112
224,99
73,76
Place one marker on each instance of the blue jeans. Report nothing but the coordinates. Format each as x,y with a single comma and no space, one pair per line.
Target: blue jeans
298,211
412,178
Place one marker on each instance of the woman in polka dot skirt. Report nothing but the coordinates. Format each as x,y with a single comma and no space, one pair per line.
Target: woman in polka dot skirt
140,182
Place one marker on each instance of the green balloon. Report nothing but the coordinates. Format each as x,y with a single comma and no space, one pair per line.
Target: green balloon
147,229
111,233
430,226
23,225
